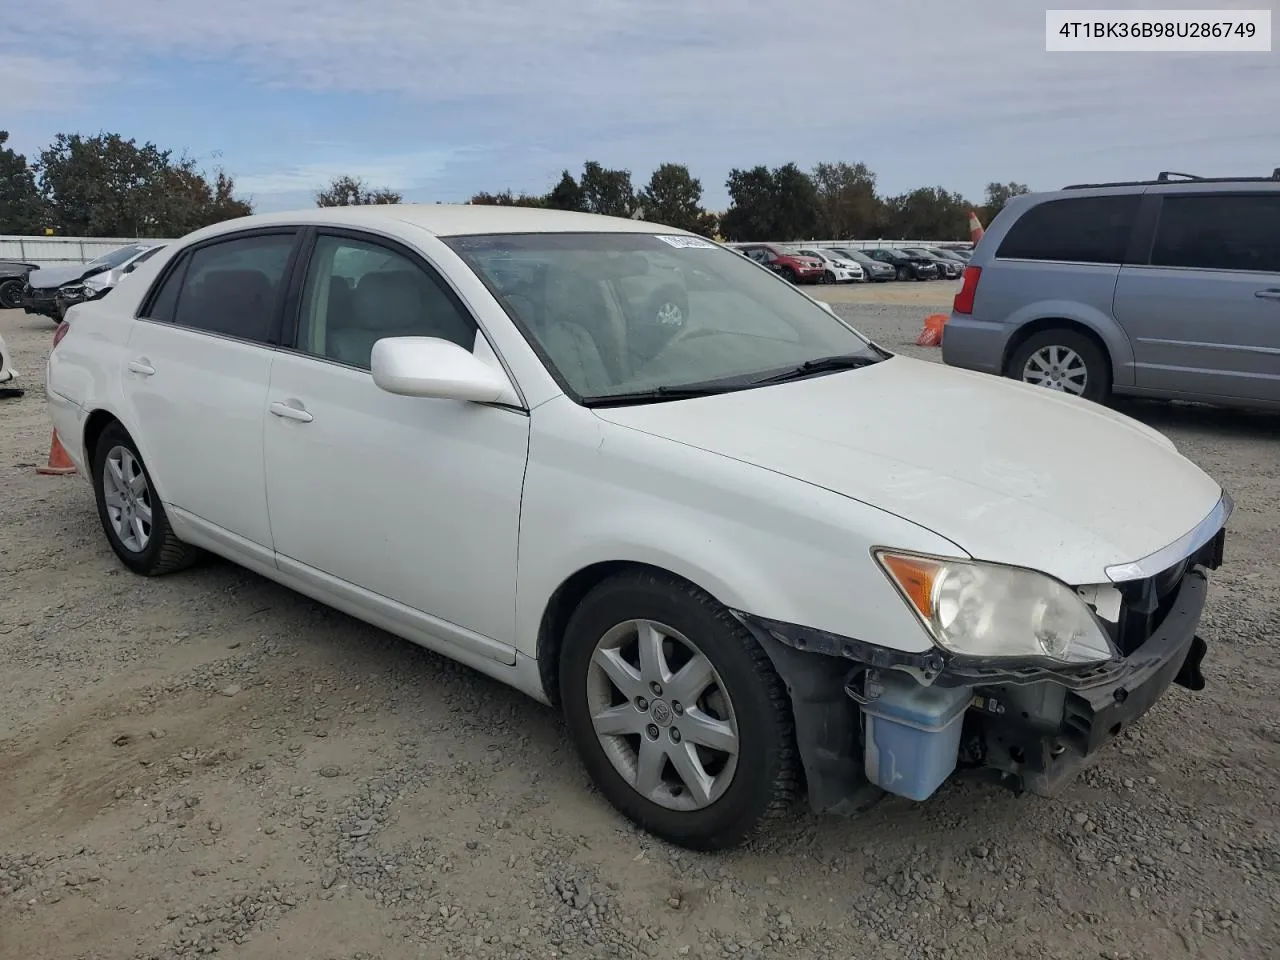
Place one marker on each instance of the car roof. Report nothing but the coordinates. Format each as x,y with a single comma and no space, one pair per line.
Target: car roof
445,220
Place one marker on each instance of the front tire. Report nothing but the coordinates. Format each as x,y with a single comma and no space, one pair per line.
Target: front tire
904,273
132,515
1063,360
676,711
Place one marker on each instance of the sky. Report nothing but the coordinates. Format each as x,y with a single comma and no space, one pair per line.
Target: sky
441,101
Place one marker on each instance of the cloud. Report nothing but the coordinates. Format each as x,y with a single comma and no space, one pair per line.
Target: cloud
934,90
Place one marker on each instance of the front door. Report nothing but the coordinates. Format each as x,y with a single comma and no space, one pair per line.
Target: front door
414,502
196,374
1204,314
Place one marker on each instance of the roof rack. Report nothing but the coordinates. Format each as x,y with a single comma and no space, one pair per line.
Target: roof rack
1166,176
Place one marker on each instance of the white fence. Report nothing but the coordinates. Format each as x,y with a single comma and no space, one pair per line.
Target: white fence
57,251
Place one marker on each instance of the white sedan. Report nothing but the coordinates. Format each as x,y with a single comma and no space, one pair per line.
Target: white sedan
749,555
839,269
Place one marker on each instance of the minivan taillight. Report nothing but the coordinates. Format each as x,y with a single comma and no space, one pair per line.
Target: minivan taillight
963,302
61,332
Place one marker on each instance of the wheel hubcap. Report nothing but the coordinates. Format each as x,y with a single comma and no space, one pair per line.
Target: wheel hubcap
1058,368
662,715
128,498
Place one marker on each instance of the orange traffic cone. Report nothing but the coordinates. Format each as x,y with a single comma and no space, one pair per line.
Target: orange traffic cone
975,228
59,463
931,335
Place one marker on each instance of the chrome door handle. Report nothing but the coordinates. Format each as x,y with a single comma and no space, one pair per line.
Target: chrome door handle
1271,294
290,412
142,366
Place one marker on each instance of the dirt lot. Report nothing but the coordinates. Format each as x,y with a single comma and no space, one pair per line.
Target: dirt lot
208,763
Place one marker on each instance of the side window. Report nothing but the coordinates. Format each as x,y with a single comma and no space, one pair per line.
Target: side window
1074,230
358,292
230,288
1219,232
166,298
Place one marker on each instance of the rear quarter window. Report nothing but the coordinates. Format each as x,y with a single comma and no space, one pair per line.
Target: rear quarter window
1073,230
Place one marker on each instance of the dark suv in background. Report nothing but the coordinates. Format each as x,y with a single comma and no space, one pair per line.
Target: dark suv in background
905,265
1166,288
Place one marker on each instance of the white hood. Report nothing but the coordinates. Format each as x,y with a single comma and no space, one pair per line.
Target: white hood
1008,472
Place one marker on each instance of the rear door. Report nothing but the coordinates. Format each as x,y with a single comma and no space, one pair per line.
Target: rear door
1203,312
196,373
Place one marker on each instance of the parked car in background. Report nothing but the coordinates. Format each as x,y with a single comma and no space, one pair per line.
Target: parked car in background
948,254
838,269
1161,288
40,295
99,284
872,270
786,262
948,269
13,277
906,266
736,596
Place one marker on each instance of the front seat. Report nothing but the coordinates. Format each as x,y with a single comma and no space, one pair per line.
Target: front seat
574,308
385,304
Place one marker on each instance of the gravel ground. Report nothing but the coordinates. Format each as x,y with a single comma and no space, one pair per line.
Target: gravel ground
209,763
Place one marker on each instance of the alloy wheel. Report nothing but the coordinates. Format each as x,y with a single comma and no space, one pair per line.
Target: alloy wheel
128,498
662,715
1058,368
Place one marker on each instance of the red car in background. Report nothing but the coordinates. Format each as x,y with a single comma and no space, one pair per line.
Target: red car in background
794,266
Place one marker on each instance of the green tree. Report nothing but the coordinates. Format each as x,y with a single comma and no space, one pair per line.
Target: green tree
607,192
847,202
107,186
927,213
779,204
674,197
347,191
997,195
565,195
507,199
21,206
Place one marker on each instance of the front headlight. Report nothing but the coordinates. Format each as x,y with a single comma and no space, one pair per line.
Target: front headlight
979,609
73,293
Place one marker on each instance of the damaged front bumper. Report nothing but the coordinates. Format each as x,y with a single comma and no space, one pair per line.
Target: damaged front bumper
870,719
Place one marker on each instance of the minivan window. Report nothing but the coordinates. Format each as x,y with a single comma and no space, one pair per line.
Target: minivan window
1073,230
1219,232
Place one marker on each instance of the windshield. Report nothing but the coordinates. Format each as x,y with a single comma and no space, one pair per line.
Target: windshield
623,313
109,261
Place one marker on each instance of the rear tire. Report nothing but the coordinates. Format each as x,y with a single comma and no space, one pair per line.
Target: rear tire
736,717
1065,360
132,515
11,294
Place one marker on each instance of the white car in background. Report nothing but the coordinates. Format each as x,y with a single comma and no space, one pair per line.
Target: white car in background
839,269
756,557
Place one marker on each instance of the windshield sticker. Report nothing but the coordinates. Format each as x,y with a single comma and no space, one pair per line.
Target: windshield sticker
686,242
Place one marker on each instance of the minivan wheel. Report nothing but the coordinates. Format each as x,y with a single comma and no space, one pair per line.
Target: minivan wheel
1062,360
678,714
132,515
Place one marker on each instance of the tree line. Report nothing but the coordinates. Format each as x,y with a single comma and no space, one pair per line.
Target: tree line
106,186
834,200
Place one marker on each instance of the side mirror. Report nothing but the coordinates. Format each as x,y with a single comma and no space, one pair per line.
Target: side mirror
431,367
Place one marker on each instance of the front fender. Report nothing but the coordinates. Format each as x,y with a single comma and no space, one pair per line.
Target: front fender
757,541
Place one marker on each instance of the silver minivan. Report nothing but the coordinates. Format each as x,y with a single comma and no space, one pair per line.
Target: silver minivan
1167,288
